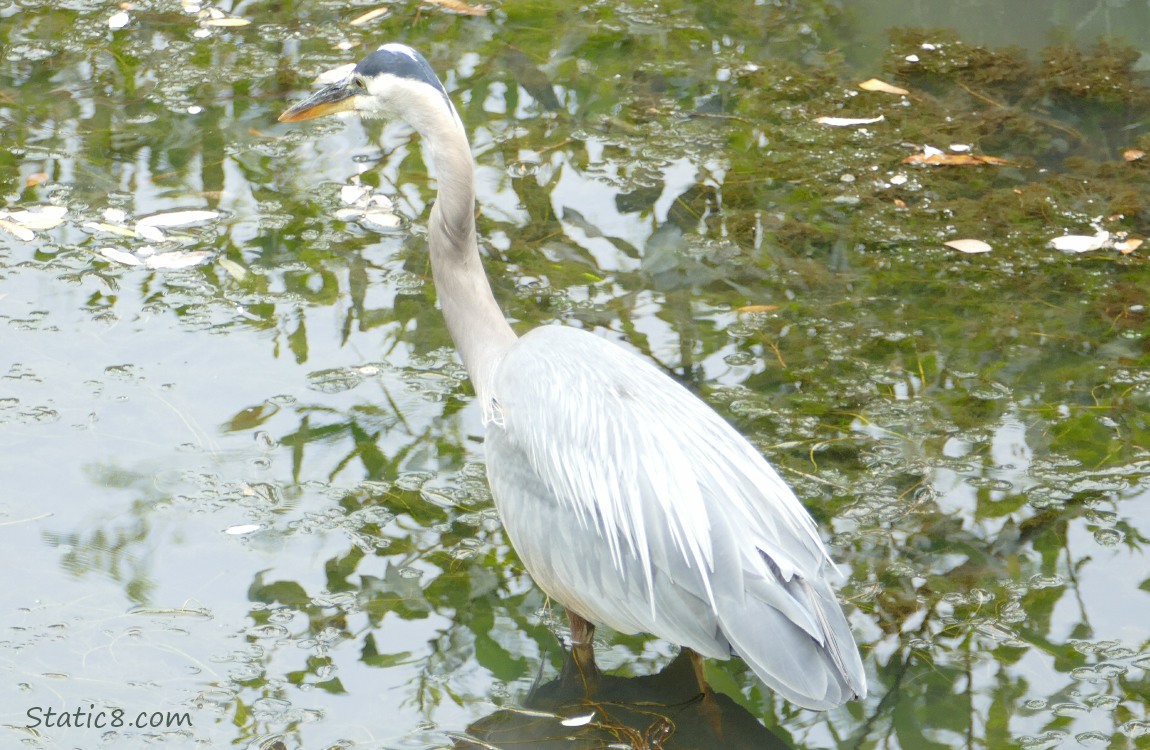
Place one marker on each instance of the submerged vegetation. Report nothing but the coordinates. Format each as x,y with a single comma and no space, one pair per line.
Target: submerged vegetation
972,430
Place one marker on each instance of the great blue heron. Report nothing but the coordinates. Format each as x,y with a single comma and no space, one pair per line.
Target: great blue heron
629,500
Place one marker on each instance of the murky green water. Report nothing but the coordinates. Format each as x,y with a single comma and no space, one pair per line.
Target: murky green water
252,489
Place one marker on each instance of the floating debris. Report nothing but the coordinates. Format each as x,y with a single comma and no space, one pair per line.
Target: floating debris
1081,243
120,256
226,21
235,270
848,122
1128,245
971,247
875,84
42,217
241,529
150,233
111,229
21,232
462,8
118,20
937,158
371,15
177,218
177,259
578,721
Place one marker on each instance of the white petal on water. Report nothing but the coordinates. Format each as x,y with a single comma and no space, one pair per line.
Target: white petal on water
352,193
202,33
960,148
22,232
969,246
150,233
847,122
245,528
929,150
177,218
114,215
1081,243
382,202
120,256
346,214
335,75
118,20
578,721
178,259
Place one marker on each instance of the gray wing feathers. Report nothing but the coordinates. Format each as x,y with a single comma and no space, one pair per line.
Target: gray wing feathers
594,449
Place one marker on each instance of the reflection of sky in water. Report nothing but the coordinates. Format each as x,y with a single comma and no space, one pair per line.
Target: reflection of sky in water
118,391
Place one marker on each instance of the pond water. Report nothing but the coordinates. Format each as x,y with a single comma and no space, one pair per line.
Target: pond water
242,480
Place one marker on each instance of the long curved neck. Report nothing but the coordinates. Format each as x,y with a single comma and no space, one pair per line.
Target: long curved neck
477,326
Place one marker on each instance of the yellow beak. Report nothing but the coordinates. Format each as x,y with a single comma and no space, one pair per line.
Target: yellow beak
338,97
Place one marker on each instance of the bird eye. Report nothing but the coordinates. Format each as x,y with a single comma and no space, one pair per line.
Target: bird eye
359,82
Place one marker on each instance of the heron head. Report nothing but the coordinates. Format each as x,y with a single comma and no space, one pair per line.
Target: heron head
392,81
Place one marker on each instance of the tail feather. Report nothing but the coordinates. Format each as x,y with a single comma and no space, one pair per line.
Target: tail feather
817,671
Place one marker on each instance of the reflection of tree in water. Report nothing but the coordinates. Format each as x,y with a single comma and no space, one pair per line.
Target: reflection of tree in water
876,373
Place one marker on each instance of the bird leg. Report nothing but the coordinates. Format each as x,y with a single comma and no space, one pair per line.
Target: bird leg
581,661
709,709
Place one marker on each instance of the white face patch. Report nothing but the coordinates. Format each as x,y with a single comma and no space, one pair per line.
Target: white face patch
401,49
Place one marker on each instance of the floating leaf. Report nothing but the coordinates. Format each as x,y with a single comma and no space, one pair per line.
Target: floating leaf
455,6
1128,246
1133,154
21,232
352,193
756,308
44,217
235,270
937,158
178,259
245,528
226,21
176,218
1081,243
120,256
111,229
847,122
875,84
150,233
371,15
968,246
578,721
379,220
